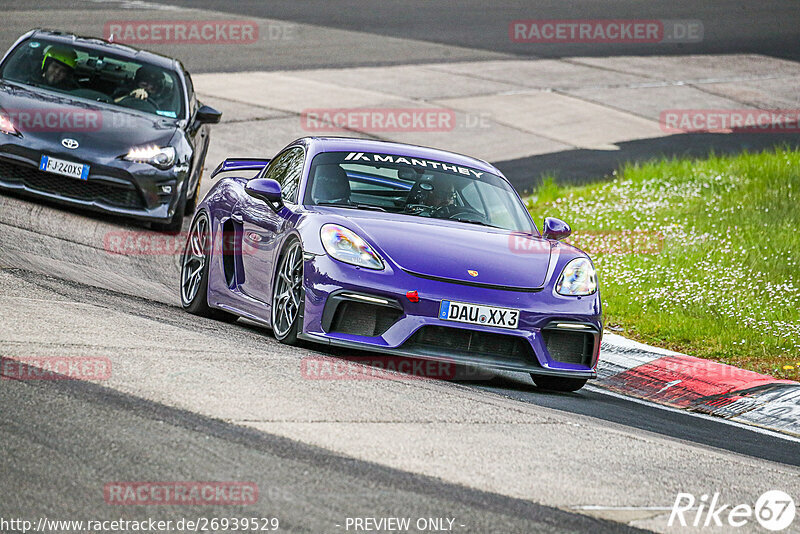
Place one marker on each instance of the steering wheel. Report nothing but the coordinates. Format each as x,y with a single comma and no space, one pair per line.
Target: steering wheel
91,94
417,208
457,213
148,104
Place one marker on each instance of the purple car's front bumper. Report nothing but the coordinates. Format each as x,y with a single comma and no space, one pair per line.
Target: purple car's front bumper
556,335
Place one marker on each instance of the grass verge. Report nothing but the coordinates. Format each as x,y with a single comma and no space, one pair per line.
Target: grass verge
698,256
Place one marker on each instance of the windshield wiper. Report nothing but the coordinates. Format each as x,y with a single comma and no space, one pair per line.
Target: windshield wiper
351,206
480,223
20,82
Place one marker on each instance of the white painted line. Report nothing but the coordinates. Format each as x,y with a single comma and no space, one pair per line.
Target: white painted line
617,343
625,508
743,426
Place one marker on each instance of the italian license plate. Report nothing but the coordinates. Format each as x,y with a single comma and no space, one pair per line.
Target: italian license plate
64,168
464,312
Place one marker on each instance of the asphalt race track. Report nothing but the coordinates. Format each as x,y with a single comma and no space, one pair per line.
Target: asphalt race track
474,24
193,399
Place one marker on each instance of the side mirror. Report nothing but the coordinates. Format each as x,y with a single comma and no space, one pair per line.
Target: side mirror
264,189
555,229
208,115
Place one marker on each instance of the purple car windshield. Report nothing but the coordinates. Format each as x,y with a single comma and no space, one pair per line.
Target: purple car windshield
417,187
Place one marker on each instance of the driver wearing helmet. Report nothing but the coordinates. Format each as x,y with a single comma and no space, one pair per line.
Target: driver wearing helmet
331,185
58,68
148,83
442,195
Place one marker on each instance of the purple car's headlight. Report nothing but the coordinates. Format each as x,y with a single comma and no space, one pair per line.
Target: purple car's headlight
577,279
346,246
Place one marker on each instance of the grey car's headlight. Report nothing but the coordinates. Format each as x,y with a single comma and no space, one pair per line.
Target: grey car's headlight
7,125
348,247
161,157
577,279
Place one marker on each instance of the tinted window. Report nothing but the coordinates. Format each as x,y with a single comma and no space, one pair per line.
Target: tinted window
287,169
95,75
415,187
192,96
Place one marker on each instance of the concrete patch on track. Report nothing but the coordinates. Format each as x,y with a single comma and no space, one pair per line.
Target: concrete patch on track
685,382
564,119
504,110
73,246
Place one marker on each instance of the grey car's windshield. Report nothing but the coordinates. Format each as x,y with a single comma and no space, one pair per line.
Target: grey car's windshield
416,187
98,76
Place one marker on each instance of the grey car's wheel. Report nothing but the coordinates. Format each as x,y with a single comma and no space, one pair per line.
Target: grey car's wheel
195,266
287,294
558,383
191,202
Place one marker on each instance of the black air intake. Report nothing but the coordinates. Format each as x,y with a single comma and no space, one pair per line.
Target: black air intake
569,347
470,342
363,319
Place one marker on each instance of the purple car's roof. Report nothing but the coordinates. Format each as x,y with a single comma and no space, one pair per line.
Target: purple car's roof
349,144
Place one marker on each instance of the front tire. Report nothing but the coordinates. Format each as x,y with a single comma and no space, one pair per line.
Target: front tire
191,203
558,383
176,222
287,294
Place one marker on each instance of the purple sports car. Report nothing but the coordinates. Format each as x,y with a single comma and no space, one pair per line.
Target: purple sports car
398,249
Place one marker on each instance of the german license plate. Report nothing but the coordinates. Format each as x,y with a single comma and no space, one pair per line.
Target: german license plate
464,312
64,168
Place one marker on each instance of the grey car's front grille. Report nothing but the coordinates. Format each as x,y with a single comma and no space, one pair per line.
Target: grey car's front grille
71,188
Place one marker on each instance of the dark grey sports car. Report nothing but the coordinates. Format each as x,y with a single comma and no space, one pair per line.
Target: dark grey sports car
100,125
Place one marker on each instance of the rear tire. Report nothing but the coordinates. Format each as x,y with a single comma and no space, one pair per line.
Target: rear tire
558,383
195,266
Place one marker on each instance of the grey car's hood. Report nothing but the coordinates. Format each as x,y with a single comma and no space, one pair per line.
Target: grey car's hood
49,117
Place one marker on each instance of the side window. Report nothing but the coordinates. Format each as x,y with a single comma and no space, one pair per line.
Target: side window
192,96
287,170
472,198
496,201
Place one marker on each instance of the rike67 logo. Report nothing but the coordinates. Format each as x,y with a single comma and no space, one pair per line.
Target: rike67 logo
774,510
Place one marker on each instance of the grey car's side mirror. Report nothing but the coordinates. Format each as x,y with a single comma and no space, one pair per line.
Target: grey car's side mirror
556,229
208,115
